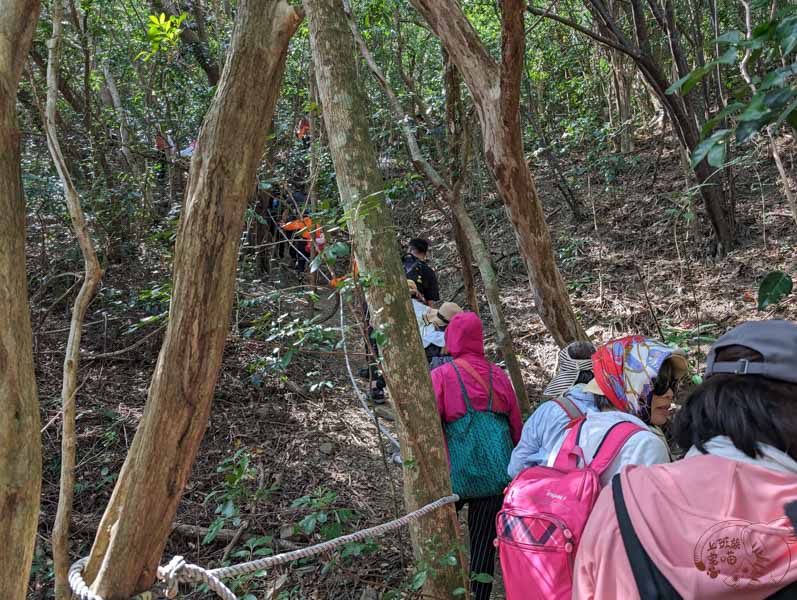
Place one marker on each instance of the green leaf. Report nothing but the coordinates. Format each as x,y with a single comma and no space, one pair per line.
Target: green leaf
716,156
728,57
703,148
775,286
776,99
788,114
308,523
755,110
688,81
730,37
460,591
729,110
419,579
787,34
213,531
746,129
482,578
777,77
697,379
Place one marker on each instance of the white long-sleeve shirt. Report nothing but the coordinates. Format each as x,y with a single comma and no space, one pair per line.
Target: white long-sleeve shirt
642,448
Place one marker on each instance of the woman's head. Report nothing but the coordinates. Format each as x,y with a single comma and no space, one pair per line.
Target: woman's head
631,371
750,391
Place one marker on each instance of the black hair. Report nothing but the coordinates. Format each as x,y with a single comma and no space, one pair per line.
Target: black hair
584,377
749,409
420,245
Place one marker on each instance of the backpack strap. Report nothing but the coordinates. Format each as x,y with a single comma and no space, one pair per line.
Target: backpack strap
462,387
611,444
570,451
570,408
650,582
472,372
413,264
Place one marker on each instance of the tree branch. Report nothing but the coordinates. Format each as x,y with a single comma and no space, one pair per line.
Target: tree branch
588,32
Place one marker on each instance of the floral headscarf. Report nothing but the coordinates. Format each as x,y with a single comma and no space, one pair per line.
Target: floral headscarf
625,369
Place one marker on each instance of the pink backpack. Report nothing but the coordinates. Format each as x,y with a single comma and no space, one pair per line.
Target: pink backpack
544,514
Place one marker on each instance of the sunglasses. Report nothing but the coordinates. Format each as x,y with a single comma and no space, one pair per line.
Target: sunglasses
662,384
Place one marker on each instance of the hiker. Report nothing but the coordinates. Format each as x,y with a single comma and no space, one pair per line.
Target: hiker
547,424
435,322
416,269
711,525
305,227
546,507
635,379
481,423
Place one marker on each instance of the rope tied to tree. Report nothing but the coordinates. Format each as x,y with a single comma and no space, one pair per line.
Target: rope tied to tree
179,571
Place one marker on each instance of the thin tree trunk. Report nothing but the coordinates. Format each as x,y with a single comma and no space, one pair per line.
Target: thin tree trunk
138,519
361,188
91,280
496,93
453,198
784,177
20,440
457,161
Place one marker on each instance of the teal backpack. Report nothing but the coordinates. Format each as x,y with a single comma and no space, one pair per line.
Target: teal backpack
479,446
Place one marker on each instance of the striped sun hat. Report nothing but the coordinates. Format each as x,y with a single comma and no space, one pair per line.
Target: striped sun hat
572,360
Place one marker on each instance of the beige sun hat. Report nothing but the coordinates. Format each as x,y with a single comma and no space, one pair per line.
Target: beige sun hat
440,317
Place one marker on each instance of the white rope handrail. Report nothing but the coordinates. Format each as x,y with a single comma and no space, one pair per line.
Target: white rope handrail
178,571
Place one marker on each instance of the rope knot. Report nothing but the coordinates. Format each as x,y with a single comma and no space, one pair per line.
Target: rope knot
170,574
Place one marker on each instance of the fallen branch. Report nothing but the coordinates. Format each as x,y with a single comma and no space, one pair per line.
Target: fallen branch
224,535
128,349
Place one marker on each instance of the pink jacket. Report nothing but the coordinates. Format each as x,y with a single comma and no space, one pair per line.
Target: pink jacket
465,341
706,522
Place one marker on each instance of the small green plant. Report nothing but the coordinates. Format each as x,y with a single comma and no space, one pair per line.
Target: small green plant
774,287
154,301
322,518
236,490
163,34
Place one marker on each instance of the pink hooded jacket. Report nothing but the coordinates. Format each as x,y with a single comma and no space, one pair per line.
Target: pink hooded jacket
465,341
706,522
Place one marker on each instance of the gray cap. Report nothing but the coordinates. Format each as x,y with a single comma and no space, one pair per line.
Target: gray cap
775,341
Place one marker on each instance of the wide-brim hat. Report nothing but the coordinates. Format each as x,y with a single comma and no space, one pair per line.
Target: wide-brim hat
441,317
571,361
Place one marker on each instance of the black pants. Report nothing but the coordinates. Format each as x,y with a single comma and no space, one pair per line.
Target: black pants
481,531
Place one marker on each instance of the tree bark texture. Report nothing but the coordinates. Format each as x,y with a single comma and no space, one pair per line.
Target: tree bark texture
20,441
138,519
451,192
496,93
361,188
91,280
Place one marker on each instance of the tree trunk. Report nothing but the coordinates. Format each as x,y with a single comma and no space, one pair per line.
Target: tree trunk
361,188
457,161
496,93
138,519
451,192
91,281
20,440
